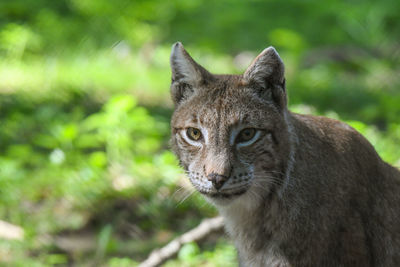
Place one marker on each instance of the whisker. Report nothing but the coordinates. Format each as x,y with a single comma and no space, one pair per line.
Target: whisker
267,176
177,191
186,197
268,180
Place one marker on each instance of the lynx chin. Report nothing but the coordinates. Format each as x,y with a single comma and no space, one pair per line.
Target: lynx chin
294,190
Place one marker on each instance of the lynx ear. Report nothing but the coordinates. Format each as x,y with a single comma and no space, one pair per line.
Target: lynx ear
267,72
186,73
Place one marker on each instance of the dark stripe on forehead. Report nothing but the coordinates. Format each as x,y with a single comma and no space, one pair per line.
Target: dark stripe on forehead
201,119
217,128
244,118
194,119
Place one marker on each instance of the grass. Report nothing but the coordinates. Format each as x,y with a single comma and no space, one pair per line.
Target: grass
84,143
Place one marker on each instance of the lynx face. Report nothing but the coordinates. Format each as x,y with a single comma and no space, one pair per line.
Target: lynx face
229,131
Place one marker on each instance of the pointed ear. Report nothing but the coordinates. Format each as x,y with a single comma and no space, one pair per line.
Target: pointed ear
187,75
267,74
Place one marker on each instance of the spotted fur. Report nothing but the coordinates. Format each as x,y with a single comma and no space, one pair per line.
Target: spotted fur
307,191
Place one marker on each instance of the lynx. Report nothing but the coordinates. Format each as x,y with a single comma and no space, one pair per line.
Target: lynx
294,190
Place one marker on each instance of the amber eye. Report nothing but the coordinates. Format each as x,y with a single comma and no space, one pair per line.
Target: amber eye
246,135
193,133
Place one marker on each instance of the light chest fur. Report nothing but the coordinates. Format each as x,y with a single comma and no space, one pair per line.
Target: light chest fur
242,224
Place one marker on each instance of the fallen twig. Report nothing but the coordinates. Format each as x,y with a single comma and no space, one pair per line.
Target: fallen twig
10,231
206,227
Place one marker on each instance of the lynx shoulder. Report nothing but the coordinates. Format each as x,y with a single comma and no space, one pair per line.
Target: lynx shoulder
294,190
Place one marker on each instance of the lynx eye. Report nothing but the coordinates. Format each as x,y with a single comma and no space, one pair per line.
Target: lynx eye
246,135
193,133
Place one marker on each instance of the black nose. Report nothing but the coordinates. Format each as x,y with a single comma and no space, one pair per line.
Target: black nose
217,180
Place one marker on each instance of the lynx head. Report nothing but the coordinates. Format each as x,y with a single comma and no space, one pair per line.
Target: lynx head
230,131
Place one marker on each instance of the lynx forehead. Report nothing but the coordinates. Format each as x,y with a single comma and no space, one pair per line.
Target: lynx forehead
226,129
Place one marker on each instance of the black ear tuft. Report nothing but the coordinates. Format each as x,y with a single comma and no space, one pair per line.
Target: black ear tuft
267,75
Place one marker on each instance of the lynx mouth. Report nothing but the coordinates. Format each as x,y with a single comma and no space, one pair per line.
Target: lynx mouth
226,194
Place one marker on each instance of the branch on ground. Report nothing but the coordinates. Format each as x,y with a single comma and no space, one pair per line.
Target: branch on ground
10,231
206,227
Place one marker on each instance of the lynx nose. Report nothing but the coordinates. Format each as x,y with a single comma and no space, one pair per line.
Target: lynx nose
217,180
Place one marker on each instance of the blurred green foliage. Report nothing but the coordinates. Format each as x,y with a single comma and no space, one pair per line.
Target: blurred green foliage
85,167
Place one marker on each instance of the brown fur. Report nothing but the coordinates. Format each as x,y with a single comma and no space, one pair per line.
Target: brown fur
309,191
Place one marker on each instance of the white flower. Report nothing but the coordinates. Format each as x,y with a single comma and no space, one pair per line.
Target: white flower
57,156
